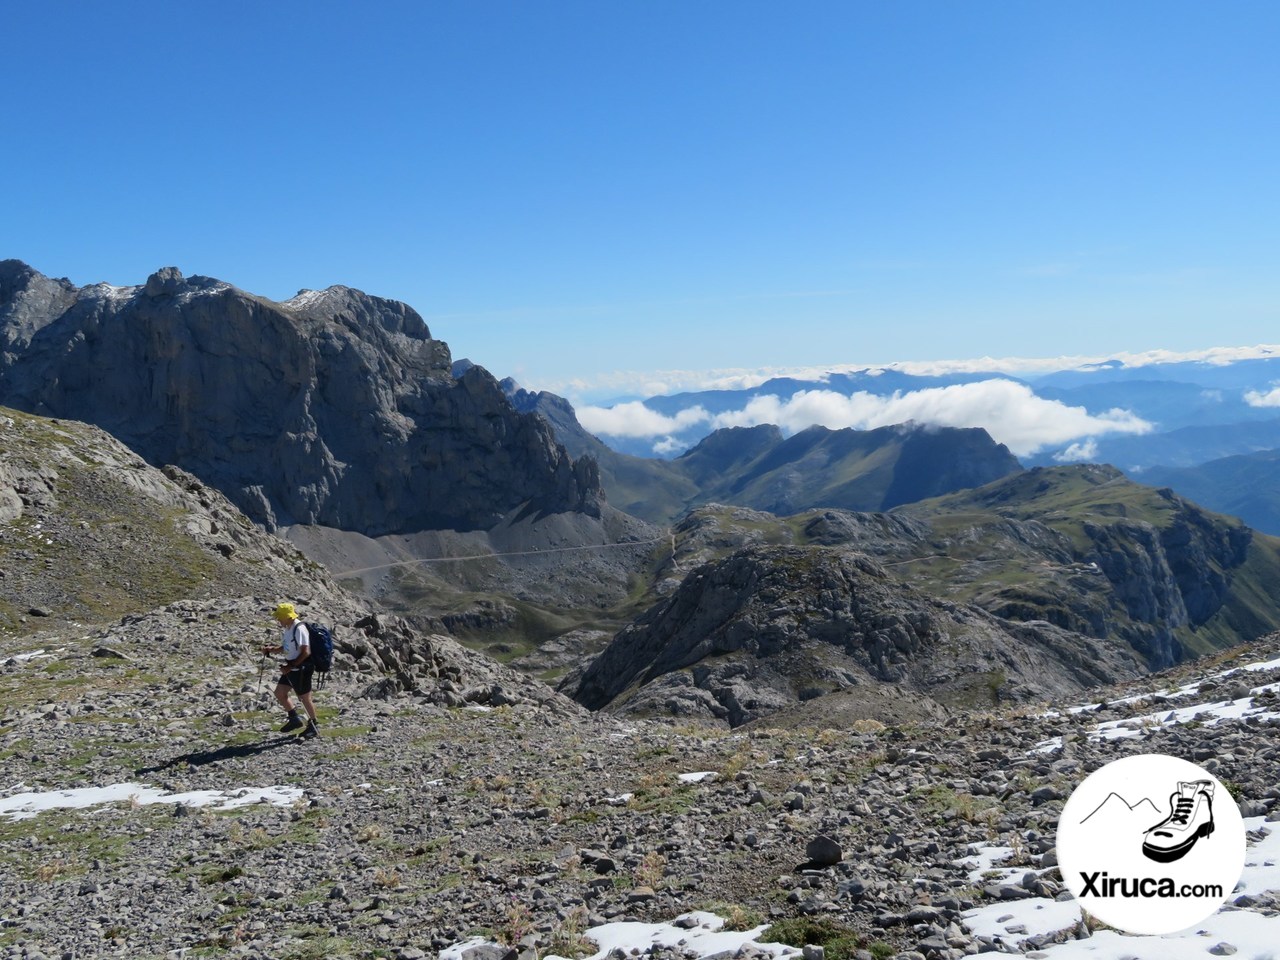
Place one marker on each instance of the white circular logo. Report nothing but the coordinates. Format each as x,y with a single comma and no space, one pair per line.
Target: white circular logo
1151,844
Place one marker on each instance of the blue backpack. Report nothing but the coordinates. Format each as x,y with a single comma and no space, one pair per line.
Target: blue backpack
321,646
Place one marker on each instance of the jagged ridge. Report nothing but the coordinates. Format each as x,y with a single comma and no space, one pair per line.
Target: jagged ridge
332,408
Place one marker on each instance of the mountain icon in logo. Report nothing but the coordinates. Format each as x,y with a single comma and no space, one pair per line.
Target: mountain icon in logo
1117,812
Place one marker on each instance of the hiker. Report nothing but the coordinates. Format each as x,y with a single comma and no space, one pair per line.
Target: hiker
295,671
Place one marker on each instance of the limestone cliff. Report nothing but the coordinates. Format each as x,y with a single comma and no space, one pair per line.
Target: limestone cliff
333,408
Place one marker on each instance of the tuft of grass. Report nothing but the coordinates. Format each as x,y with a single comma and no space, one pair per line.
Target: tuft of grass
220,874
839,942
940,801
46,872
1233,788
740,760
314,947
737,917
661,793
567,938
518,923
651,870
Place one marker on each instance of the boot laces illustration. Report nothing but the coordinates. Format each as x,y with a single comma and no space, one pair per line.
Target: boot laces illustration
1190,818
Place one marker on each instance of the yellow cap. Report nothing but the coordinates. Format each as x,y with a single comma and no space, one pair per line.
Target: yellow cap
285,611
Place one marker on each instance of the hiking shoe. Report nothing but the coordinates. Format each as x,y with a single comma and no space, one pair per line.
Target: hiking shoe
1191,818
310,732
294,724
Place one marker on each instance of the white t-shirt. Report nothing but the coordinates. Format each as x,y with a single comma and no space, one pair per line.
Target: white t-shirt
294,638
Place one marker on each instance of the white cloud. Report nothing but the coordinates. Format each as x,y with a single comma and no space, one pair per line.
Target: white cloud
1079,452
1256,398
653,383
1009,411
668,445
634,419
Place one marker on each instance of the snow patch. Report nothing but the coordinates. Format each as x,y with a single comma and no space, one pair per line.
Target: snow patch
1208,713
24,806
304,299
1015,921
696,934
983,860
24,657
1261,861
1253,935
106,291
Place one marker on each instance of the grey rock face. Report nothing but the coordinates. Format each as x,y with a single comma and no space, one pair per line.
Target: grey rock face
333,407
1168,577
768,627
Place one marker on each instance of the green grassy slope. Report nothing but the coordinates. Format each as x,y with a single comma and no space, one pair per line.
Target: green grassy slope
1151,556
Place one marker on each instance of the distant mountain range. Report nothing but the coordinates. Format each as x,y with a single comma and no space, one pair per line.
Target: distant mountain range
1245,486
761,468
1187,415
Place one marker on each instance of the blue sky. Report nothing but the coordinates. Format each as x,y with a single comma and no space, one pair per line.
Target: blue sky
566,189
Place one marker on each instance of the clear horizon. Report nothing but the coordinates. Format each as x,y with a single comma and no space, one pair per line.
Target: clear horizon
570,191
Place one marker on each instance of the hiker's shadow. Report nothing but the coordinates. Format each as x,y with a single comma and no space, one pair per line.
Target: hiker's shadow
201,758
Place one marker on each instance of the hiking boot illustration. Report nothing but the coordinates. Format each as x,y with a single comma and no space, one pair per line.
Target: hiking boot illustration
293,724
1190,818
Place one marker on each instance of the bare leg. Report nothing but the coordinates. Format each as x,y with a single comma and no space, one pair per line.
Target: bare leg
282,696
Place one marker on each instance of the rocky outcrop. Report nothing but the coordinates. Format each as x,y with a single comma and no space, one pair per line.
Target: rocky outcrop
333,408
1169,577
1086,548
769,627
396,659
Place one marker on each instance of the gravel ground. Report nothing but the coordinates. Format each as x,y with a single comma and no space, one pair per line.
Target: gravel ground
449,797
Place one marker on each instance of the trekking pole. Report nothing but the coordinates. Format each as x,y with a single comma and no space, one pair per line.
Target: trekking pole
262,669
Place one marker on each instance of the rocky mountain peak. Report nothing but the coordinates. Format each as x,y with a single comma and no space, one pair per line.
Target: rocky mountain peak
335,407
359,310
732,447
13,273
166,281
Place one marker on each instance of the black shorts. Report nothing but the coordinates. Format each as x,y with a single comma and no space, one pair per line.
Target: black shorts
298,679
